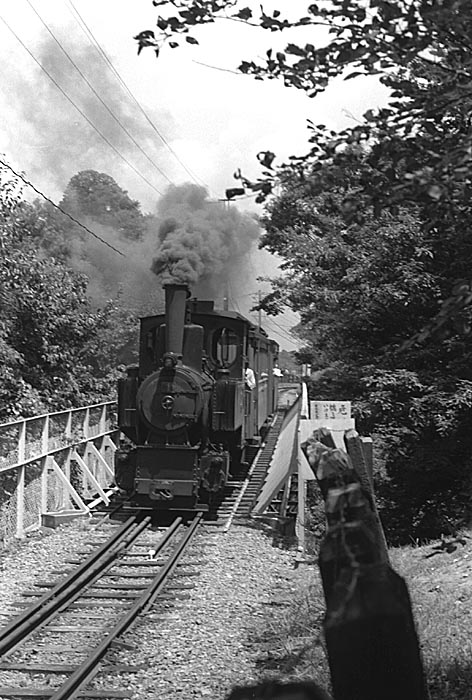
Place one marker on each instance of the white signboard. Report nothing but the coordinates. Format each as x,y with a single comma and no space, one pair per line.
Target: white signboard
335,415
330,410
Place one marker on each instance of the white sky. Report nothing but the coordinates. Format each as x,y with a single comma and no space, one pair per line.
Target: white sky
214,120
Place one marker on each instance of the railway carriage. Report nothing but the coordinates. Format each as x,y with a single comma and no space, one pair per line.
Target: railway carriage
186,410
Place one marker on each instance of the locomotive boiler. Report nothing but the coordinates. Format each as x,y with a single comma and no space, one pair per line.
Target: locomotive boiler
186,412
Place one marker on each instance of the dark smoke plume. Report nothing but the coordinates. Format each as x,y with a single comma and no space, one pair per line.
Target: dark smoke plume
203,243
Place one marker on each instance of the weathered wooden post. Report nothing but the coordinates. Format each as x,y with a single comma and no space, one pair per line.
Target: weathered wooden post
370,634
373,648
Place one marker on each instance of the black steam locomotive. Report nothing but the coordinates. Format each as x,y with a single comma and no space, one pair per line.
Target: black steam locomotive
203,391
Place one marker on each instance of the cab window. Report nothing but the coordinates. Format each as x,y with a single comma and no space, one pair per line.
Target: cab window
225,345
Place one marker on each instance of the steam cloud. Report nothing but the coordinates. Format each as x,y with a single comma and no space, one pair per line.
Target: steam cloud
110,276
194,240
203,243
53,141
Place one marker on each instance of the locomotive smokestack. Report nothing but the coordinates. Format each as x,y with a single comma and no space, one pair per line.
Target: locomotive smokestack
176,297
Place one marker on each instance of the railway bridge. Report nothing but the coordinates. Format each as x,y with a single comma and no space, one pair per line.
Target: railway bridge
55,465
59,465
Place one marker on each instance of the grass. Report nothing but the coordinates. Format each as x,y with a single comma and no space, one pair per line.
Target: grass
440,582
439,578
291,644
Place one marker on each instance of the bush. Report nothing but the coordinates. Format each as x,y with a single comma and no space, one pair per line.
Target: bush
423,442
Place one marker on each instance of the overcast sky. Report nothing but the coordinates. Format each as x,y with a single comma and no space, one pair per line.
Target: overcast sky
214,120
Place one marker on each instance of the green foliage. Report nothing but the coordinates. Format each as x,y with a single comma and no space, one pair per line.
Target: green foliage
423,444
96,196
361,288
287,361
363,285
52,349
418,149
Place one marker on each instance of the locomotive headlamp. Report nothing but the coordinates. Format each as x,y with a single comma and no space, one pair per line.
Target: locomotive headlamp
167,403
169,360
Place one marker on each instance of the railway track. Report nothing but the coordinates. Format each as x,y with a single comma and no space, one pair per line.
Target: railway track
241,492
66,633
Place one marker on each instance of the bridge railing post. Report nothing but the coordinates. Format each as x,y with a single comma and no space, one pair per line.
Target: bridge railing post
33,451
103,419
68,428
20,481
86,423
44,463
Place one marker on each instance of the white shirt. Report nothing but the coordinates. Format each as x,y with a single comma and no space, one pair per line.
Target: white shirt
250,378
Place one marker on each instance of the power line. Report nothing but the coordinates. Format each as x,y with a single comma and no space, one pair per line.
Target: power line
63,211
283,332
87,31
274,331
69,99
284,329
89,84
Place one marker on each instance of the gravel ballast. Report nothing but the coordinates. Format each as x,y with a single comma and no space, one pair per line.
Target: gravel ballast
197,646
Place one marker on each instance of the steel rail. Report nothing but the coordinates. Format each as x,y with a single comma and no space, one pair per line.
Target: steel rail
40,612
86,672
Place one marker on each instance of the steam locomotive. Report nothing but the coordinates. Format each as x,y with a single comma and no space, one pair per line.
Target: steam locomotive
186,409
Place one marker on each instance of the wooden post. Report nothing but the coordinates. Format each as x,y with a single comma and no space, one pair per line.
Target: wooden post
355,451
44,466
368,450
44,486
65,497
20,501
86,424
372,645
103,419
68,430
20,481
45,436
324,436
21,442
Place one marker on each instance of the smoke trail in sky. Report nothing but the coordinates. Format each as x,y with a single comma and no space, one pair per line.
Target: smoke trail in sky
56,141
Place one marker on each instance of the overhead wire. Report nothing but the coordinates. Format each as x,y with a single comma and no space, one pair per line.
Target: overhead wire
97,95
281,328
81,112
88,32
63,211
282,334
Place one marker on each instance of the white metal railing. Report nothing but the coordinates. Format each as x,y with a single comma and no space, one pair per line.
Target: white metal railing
55,462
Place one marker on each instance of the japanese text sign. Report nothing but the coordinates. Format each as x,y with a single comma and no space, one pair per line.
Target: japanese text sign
330,410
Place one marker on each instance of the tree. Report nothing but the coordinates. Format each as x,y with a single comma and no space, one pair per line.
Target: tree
96,196
419,147
360,290
51,355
